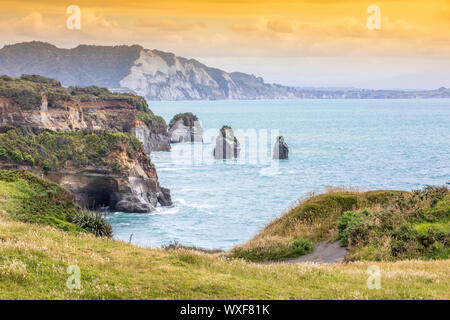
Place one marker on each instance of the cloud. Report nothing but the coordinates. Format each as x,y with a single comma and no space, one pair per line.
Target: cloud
96,19
168,25
274,29
32,24
280,26
344,36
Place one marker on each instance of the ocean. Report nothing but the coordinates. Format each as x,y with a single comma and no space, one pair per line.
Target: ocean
368,144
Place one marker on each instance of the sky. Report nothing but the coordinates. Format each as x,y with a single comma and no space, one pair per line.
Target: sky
313,43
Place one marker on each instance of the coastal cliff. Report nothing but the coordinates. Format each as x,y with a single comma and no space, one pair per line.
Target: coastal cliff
81,138
159,75
35,103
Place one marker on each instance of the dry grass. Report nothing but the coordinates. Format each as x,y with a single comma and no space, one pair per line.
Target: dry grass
314,217
34,259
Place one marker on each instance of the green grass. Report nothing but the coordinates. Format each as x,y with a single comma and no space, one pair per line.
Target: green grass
156,123
425,227
26,92
53,150
188,119
383,224
34,258
27,198
282,251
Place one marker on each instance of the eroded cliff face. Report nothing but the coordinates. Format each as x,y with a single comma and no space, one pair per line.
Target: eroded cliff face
159,75
134,187
152,141
91,115
117,173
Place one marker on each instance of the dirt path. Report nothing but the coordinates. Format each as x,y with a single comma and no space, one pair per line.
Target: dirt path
324,252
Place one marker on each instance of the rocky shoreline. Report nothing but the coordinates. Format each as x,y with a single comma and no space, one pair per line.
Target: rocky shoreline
116,171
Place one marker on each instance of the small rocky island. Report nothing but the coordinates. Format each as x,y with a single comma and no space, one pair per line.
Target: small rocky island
280,149
227,145
185,127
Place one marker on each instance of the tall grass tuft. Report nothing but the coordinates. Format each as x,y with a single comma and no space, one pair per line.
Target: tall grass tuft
93,222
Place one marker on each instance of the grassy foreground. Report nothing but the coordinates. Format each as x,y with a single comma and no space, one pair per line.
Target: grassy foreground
34,259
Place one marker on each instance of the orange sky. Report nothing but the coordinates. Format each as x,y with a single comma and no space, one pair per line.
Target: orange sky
312,42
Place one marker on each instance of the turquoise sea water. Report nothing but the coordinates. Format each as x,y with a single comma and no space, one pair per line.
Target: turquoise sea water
371,144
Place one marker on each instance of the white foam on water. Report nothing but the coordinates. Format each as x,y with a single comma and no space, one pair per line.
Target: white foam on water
268,172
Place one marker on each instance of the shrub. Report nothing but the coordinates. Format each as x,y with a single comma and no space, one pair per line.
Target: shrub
302,246
116,166
41,201
6,78
425,227
46,165
93,222
46,203
26,92
400,225
102,150
28,158
405,241
3,154
155,123
350,220
17,155
39,79
188,119
277,250
52,150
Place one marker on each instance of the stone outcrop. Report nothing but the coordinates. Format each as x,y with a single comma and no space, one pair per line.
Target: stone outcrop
66,112
185,127
133,188
280,149
152,141
92,116
164,197
125,180
227,145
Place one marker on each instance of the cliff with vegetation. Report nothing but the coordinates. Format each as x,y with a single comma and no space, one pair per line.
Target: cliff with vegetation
159,75
27,198
35,103
103,169
82,139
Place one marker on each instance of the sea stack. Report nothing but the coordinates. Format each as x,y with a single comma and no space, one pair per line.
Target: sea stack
185,127
280,149
227,145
